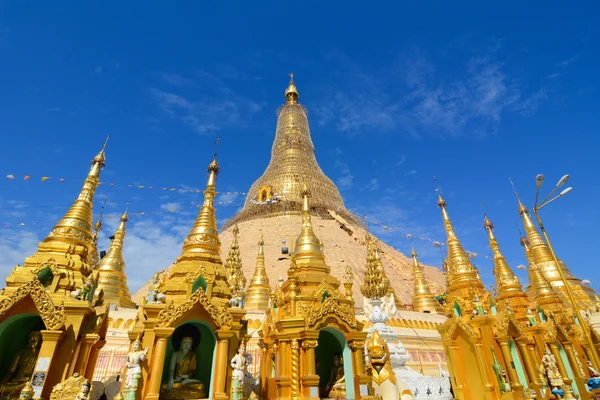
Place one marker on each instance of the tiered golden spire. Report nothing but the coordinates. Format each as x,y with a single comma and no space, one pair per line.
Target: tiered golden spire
233,266
293,163
462,278
376,282
543,293
70,243
423,299
257,295
507,284
111,271
545,262
200,257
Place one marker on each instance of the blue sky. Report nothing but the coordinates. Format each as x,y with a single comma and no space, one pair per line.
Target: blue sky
396,93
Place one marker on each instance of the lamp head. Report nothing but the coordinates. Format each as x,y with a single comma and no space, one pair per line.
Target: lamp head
567,190
563,180
539,179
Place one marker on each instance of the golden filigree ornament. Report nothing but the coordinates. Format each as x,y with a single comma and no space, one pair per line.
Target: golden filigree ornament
74,388
171,314
54,317
331,307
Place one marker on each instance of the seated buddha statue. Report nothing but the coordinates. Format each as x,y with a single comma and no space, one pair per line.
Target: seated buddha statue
22,366
338,381
182,383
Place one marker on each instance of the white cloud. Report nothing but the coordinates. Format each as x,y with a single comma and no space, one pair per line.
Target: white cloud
14,248
411,172
346,179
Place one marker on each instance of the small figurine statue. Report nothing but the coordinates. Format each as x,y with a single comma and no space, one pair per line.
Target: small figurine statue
594,380
238,363
154,293
84,293
550,376
99,298
27,392
337,381
84,394
478,310
531,319
134,369
500,374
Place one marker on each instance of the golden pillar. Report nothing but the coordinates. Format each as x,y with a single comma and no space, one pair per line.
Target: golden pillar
282,379
310,379
484,369
83,355
50,342
559,363
530,365
573,360
512,373
221,363
356,342
158,362
295,369
94,353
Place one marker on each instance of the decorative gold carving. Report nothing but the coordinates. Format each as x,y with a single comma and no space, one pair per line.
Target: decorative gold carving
50,263
221,317
323,288
458,322
54,317
308,343
357,344
329,307
71,389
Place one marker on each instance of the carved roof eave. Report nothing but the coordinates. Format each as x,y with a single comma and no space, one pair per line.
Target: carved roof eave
171,314
503,322
457,324
54,317
317,317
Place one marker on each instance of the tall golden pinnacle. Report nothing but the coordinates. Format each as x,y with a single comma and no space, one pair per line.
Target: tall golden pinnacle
111,271
543,259
376,282
233,266
507,284
70,243
307,245
279,190
200,256
543,293
257,295
423,299
462,278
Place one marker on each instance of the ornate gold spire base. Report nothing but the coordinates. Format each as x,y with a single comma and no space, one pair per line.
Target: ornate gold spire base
111,271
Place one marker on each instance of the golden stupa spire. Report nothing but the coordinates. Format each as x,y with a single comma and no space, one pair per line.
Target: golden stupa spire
376,282
111,270
307,244
461,278
507,284
233,266
545,262
70,244
76,225
423,299
293,162
200,256
543,293
257,295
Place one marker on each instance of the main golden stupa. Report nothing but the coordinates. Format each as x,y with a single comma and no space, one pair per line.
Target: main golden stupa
274,204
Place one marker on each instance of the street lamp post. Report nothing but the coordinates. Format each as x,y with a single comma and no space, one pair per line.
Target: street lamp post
547,200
